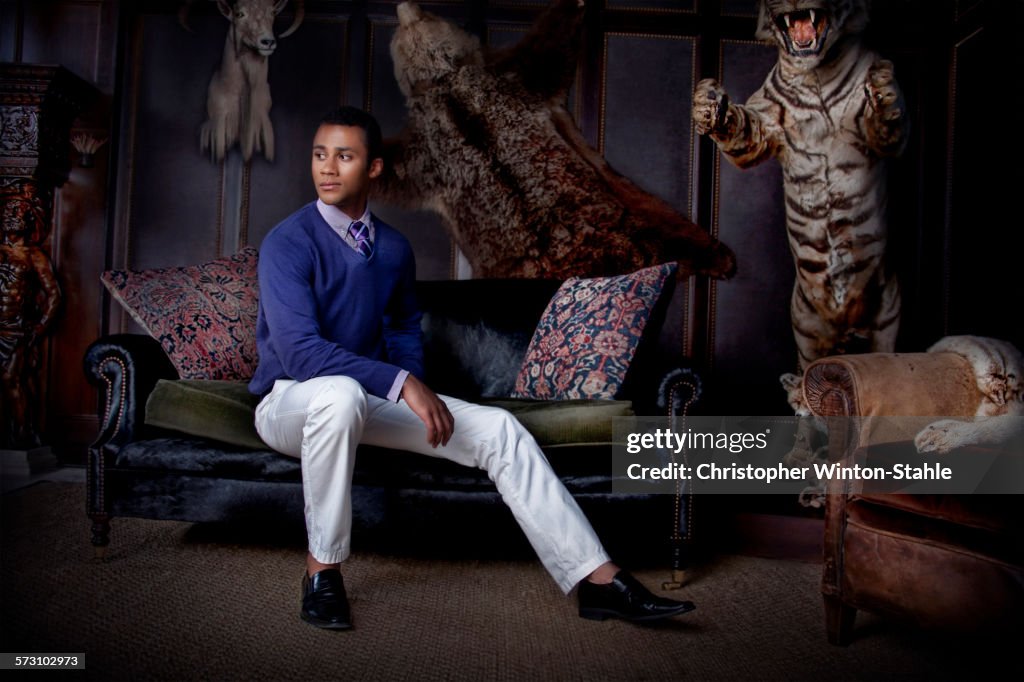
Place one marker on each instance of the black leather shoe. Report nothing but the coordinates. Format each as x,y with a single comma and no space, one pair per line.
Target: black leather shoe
624,597
324,603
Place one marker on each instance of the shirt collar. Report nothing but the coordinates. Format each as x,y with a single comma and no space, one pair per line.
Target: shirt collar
339,220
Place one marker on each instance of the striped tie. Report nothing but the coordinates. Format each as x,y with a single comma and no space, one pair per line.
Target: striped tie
361,233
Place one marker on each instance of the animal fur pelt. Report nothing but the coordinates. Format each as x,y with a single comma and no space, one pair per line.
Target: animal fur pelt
999,371
490,146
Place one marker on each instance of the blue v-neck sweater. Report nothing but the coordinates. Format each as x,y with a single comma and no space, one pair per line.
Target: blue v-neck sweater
325,310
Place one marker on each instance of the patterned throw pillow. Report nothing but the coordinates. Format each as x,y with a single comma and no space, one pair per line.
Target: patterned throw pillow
586,339
204,316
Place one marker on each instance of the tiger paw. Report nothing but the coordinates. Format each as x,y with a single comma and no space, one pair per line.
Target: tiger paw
883,92
812,496
710,105
793,384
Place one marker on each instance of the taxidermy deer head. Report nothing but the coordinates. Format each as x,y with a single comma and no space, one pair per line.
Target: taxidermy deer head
238,99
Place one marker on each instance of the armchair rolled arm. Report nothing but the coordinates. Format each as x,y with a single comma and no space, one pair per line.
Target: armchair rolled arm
125,368
891,384
912,388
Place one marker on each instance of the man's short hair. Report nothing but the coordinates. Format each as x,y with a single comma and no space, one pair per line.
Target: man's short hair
352,116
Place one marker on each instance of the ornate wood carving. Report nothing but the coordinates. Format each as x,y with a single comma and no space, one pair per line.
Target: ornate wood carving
37,107
38,104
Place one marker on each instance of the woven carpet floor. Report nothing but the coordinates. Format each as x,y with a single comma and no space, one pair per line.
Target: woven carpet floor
173,601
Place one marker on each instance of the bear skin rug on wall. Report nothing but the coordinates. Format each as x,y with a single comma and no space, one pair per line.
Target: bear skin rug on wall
490,146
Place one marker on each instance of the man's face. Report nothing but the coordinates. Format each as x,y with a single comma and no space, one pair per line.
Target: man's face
342,169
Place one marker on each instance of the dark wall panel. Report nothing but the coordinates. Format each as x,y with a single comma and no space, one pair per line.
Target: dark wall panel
648,91
753,341
384,98
654,5
985,294
175,190
307,78
740,7
10,26
65,34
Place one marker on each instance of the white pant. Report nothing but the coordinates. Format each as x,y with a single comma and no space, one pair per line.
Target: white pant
322,420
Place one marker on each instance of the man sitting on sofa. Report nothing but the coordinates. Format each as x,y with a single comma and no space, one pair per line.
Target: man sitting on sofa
340,361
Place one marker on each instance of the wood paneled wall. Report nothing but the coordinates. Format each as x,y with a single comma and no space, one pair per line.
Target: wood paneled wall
163,203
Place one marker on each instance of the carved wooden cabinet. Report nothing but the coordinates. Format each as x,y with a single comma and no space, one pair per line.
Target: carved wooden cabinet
38,105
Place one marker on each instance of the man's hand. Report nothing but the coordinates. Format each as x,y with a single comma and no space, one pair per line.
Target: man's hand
430,409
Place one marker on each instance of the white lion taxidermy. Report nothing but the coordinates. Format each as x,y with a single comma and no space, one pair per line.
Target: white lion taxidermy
999,370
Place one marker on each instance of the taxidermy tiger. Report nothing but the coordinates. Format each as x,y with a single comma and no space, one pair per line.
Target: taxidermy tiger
999,370
830,111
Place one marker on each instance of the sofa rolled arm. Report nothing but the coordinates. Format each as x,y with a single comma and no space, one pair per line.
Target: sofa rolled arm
678,392
125,368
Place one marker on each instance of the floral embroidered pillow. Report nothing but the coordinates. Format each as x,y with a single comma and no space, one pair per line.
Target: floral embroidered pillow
203,315
586,339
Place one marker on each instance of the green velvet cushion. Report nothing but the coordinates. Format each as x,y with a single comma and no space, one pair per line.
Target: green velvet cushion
219,410
223,411
565,422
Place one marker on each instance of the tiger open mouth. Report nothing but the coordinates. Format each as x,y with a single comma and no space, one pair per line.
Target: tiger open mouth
804,30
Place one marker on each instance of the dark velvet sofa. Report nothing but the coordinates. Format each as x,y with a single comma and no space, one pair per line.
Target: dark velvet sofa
475,335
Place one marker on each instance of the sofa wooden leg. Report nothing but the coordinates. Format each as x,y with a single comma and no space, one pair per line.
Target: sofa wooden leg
100,534
678,581
839,619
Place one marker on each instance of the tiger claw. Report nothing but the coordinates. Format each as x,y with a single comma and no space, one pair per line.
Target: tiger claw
710,106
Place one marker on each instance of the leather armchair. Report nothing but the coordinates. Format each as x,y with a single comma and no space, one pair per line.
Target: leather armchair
944,561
